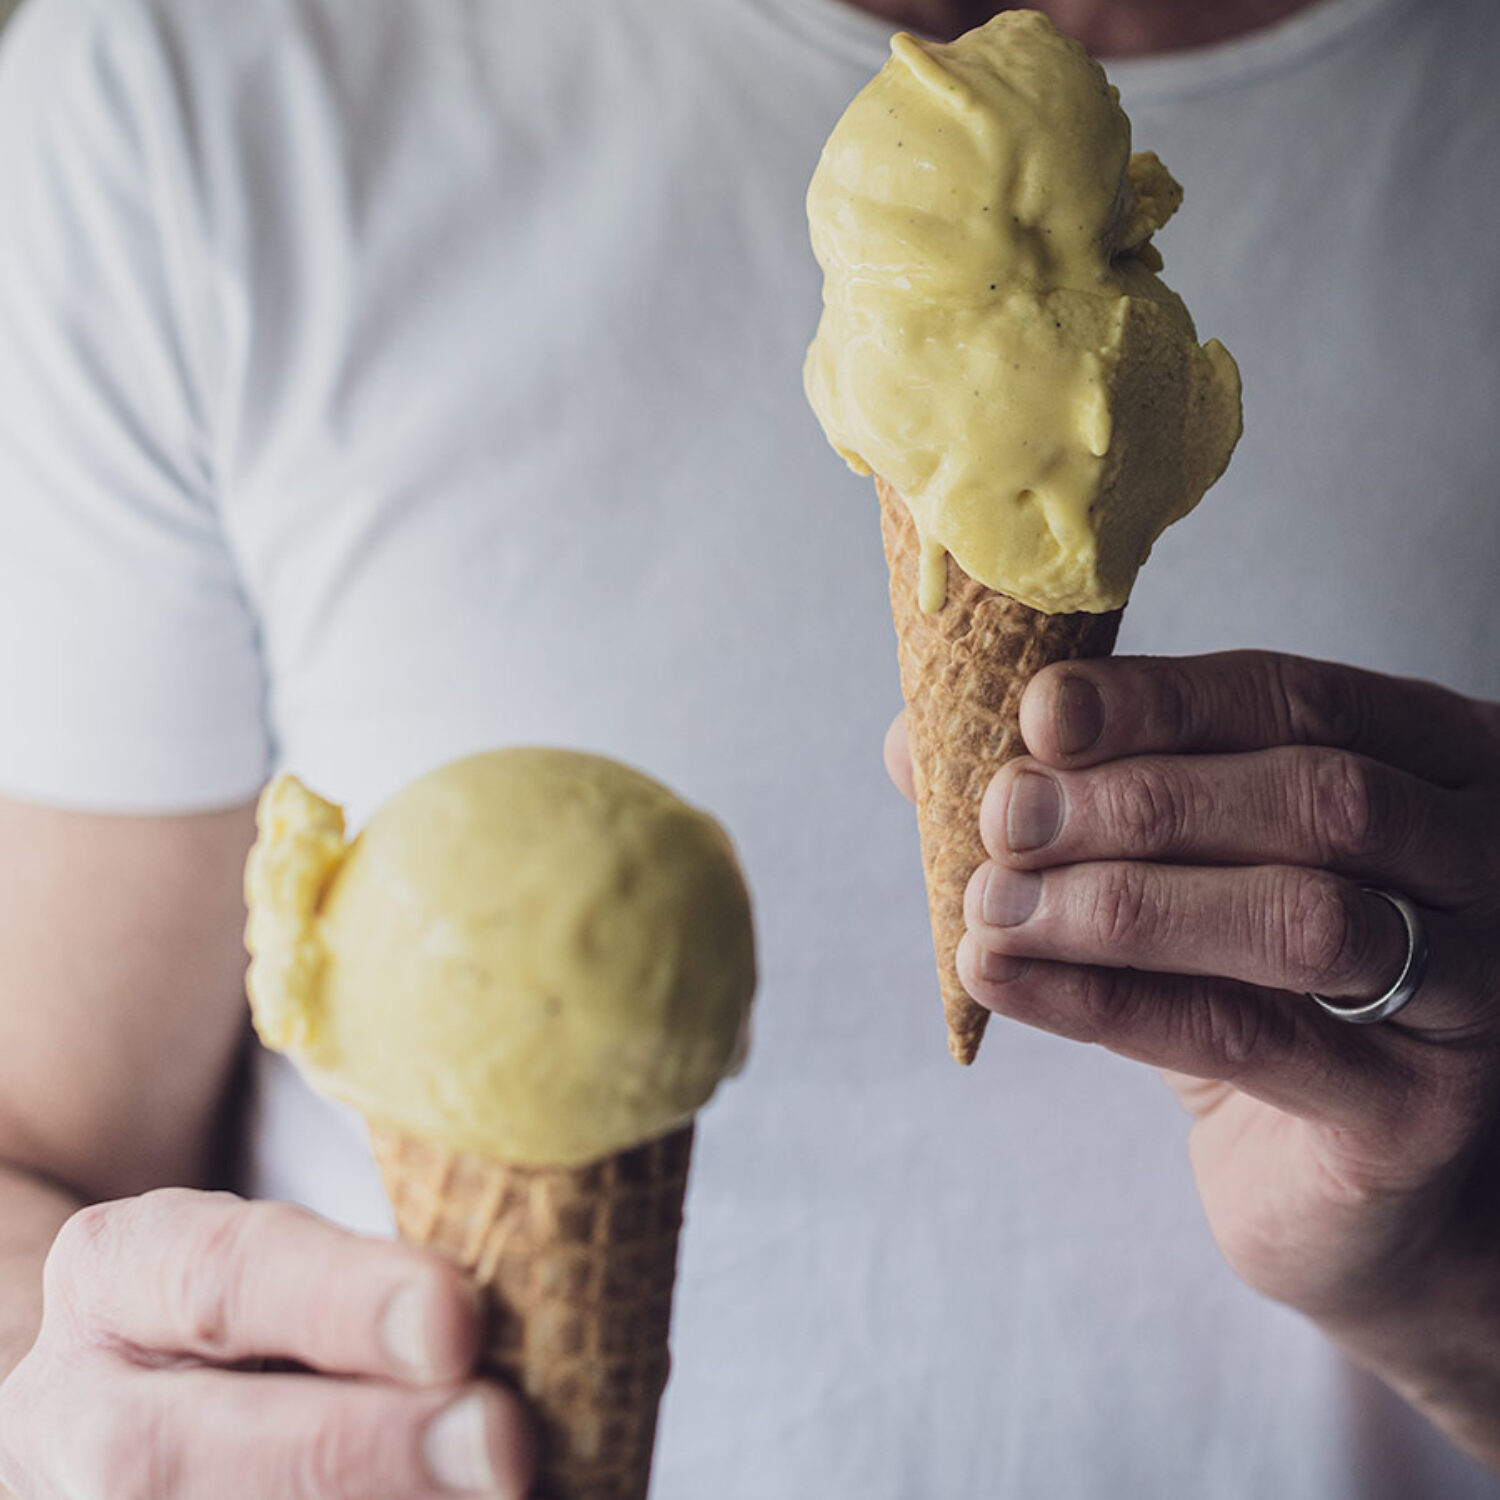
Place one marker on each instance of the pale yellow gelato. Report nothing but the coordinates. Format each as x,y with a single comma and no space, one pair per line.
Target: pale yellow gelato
537,955
995,342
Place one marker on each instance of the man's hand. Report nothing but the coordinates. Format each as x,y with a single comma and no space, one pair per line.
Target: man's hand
148,1379
1179,861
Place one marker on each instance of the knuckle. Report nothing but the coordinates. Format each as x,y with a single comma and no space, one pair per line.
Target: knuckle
1149,809
82,1235
1320,707
79,1255
1238,1030
1109,1000
1347,808
204,1279
1123,910
1325,943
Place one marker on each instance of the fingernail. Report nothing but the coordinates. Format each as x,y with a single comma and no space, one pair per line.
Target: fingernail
1080,715
1033,816
1001,968
1010,896
406,1332
456,1447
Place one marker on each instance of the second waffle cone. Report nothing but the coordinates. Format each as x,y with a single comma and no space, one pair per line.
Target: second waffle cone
963,671
577,1266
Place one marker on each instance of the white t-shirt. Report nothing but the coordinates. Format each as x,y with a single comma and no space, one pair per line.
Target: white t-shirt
386,379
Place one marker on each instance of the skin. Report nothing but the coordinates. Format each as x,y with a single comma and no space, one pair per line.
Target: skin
1179,859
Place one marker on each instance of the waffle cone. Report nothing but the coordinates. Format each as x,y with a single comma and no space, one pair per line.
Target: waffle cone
963,671
577,1266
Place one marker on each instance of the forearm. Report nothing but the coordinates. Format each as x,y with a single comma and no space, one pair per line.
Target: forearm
31,1213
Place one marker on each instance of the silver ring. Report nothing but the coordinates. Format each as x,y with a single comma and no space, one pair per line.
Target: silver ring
1408,981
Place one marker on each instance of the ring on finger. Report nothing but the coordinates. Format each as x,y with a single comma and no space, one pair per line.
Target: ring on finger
1408,981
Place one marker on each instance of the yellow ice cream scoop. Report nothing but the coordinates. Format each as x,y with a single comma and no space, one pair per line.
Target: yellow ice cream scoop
995,342
536,955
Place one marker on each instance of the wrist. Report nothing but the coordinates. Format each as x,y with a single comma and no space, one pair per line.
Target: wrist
1438,1348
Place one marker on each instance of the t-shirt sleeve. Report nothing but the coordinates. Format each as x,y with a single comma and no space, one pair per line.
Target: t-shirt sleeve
130,672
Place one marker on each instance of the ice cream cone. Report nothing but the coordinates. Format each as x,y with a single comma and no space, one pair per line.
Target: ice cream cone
963,671
577,1265
997,344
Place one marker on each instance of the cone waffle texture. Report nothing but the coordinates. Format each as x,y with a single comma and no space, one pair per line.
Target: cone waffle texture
963,671
577,1265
